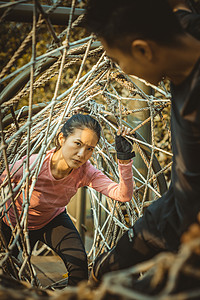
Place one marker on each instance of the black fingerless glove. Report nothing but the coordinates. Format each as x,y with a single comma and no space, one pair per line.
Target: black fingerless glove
124,148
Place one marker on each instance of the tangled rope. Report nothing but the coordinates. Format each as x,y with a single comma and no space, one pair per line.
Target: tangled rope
103,91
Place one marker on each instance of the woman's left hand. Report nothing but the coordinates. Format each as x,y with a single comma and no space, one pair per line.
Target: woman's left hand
123,145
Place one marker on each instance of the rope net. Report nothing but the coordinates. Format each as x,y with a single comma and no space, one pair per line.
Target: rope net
81,78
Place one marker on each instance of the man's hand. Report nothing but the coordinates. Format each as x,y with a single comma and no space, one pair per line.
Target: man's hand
179,4
192,233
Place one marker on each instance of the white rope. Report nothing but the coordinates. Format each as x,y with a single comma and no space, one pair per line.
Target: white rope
104,93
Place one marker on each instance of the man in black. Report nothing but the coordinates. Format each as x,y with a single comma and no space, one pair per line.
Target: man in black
146,39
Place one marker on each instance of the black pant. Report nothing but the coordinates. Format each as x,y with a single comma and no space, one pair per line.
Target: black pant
62,237
128,252
158,230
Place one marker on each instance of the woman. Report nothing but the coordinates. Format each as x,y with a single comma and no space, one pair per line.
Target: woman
64,170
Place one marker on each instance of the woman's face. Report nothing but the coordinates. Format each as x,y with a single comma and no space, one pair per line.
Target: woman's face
77,148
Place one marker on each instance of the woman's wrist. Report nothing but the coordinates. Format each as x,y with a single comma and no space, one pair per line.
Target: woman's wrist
124,162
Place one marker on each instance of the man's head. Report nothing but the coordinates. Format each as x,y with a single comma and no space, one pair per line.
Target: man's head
130,28
119,21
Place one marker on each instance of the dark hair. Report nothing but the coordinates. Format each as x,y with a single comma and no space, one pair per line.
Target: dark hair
121,21
78,121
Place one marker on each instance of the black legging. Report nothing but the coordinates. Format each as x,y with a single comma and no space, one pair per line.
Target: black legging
62,237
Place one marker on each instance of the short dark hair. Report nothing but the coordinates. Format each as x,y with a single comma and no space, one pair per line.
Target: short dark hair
127,20
78,121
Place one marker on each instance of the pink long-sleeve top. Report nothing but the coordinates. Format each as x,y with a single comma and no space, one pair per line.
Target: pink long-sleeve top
50,195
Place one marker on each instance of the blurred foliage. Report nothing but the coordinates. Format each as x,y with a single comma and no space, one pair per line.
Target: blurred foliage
162,139
13,34
162,129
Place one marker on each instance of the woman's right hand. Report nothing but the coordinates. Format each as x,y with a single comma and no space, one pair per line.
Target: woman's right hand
123,145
